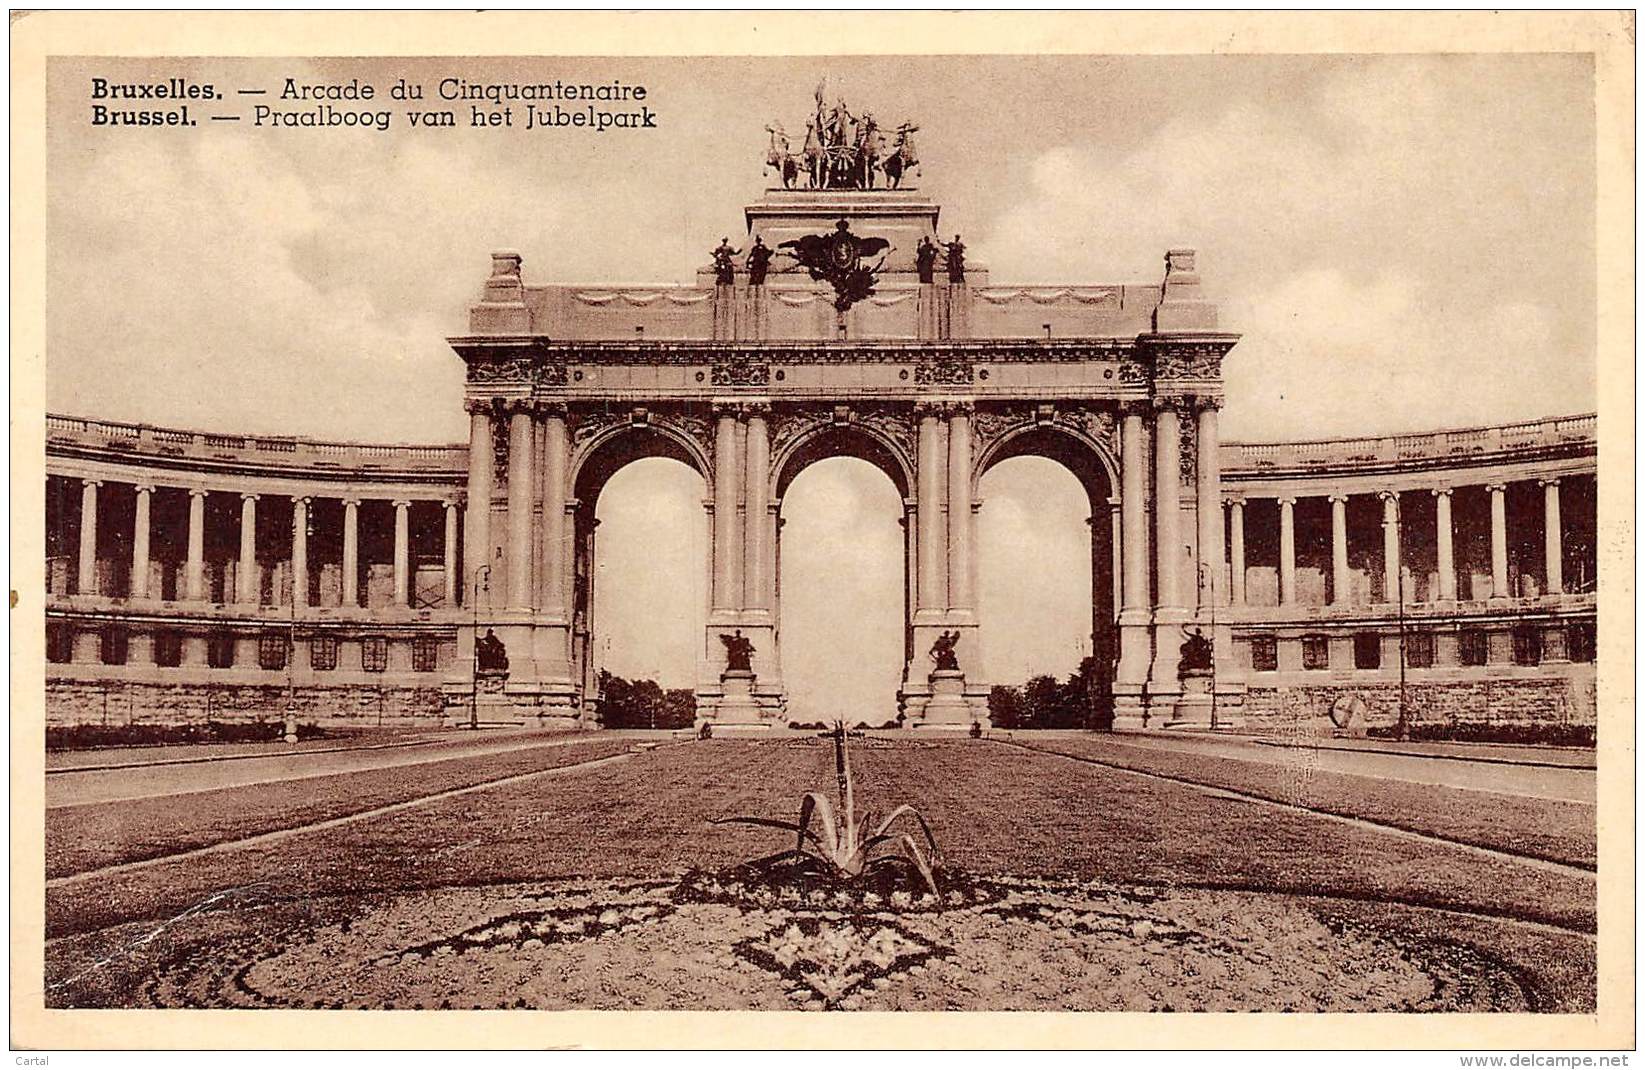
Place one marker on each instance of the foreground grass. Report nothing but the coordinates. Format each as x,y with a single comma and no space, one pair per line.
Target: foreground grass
994,809
80,838
1540,828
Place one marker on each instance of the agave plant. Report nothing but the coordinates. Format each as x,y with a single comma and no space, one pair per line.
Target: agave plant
843,842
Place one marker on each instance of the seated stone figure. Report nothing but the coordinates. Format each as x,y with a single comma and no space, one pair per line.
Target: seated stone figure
489,653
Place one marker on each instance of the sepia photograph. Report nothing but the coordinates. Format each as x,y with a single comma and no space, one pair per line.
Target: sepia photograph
843,529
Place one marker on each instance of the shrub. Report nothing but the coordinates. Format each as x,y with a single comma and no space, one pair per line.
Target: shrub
96,736
1547,734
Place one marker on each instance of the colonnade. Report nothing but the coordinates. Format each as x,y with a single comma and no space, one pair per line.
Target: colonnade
1392,543
248,570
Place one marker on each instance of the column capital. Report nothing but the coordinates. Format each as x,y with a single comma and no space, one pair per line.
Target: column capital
1388,495
1135,407
1498,487
550,407
249,495
1234,501
1442,492
760,408
1208,402
961,408
148,488
453,501
724,408
1549,481
1343,498
1286,499
351,499
477,406
1171,402
930,408
401,503
197,492
90,482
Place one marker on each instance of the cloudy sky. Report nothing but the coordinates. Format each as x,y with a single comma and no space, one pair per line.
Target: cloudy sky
1404,242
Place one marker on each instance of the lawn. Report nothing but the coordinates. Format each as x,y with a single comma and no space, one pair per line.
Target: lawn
994,809
80,838
1540,828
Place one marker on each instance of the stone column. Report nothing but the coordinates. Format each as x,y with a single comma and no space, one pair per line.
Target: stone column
246,569
959,509
140,543
1391,591
1116,563
1341,582
1208,506
556,460
932,589
194,569
477,519
1132,671
449,546
1236,550
299,551
1553,547
727,544
520,507
1499,540
1287,552
1169,609
88,536
1167,504
756,515
402,552
351,552
1444,556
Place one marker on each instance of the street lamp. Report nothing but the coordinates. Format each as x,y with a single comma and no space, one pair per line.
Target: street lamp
291,646
474,685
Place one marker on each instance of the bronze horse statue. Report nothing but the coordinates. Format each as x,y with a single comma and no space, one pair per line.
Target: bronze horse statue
902,159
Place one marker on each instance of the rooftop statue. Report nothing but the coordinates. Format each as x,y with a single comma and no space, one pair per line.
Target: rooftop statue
842,150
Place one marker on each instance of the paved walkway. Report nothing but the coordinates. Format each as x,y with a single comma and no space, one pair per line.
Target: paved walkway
151,781
1565,783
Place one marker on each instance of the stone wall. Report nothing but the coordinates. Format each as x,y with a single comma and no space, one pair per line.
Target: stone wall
1552,699
118,702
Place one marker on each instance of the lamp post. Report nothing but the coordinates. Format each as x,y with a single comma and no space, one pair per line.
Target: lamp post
1399,576
474,685
291,645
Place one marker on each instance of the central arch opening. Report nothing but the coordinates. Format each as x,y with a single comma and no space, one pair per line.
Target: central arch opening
842,587
1046,575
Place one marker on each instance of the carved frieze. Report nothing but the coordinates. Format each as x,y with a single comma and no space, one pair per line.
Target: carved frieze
740,371
1133,370
511,370
1189,360
944,372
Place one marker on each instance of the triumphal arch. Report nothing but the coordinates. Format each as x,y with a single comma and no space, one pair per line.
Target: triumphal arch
841,323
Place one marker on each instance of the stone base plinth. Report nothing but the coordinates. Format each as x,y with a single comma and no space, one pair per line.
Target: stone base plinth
946,705
738,704
492,701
